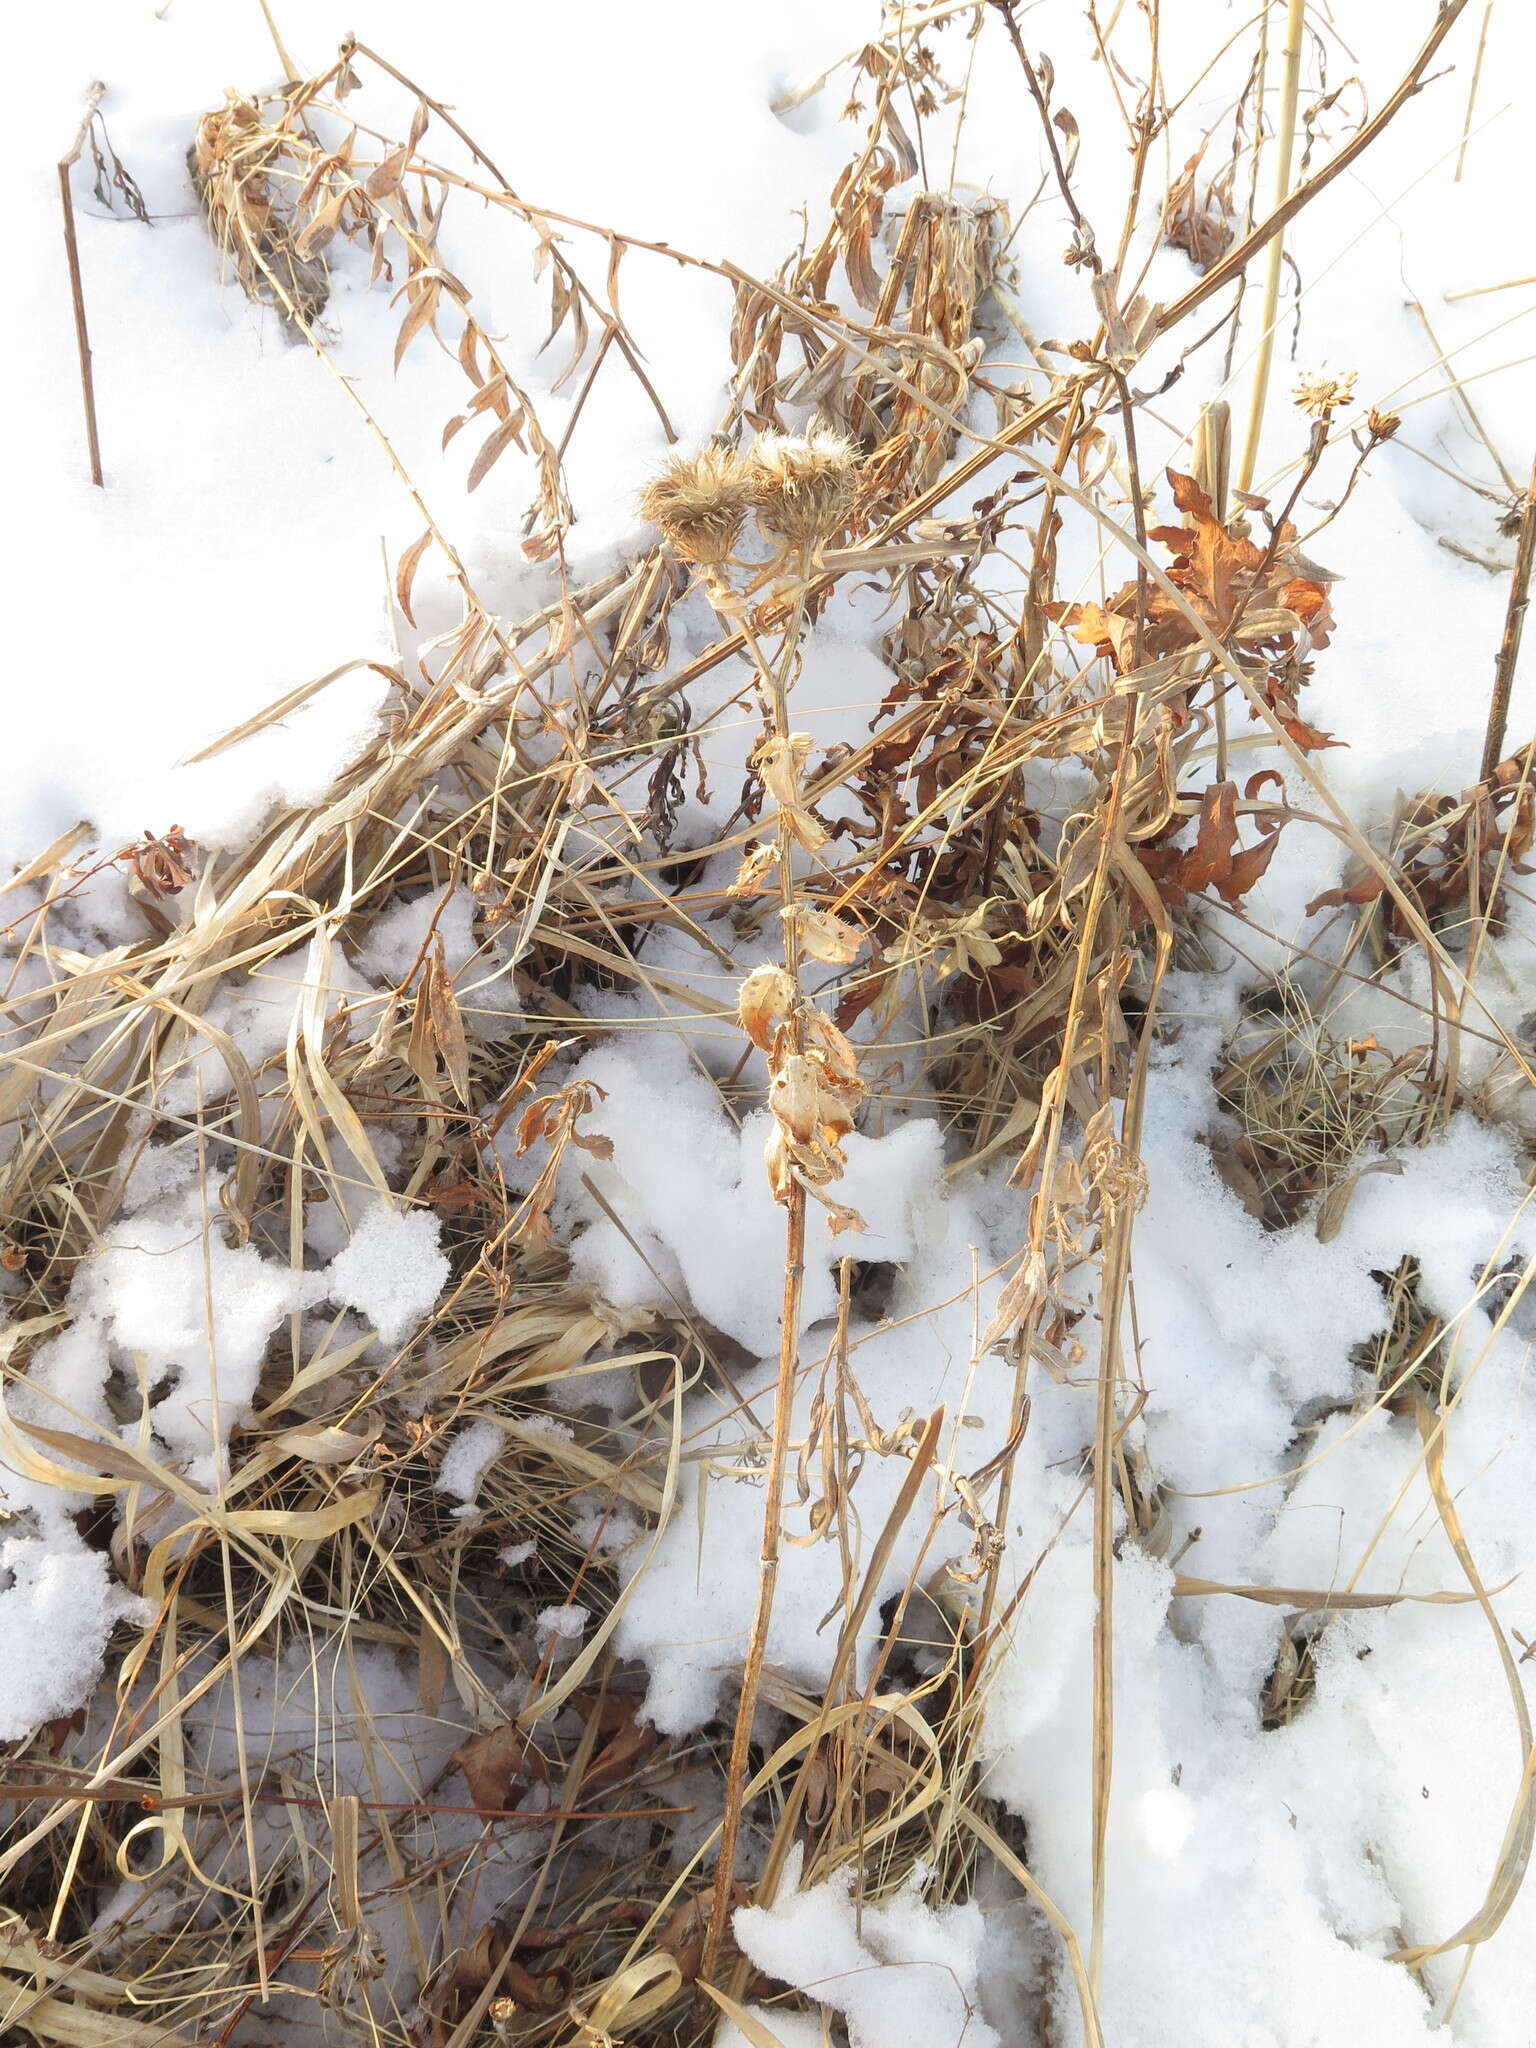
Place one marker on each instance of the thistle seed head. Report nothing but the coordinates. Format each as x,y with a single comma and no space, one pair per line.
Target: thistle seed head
700,502
803,484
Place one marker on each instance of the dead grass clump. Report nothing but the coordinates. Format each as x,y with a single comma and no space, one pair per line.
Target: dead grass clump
246,171
1310,1112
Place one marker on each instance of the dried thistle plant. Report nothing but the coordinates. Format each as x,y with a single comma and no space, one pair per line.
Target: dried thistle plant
803,485
700,504
1320,393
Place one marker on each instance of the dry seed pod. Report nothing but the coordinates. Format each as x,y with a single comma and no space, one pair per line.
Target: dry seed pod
803,484
766,998
835,1052
760,857
699,502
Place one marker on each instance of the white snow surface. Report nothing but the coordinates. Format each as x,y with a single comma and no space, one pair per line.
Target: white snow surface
1259,1880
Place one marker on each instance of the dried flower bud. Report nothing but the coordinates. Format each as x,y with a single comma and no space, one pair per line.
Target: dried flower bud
1321,395
700,502
803,484
1382,425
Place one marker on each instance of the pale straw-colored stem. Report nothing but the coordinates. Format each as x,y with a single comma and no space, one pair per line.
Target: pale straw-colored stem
1285,138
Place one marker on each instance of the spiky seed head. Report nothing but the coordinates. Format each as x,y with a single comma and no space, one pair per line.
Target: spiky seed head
700,502
803,484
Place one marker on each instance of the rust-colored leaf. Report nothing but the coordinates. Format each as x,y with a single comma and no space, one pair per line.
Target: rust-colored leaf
1365,891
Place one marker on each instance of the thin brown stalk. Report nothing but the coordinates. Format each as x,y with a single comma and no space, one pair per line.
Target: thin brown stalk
1514,623
776,683
76,286
1477,75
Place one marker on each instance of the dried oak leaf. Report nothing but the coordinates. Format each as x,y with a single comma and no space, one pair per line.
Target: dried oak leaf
1218,573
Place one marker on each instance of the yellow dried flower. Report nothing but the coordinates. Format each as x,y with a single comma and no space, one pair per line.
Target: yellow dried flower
1382,425
1321,394
803,484
700,503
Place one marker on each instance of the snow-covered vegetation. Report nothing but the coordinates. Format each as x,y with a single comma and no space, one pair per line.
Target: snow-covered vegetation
766,1112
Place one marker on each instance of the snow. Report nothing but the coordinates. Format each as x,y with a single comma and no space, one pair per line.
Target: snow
60,1606
465,1462
563,1624
901,1975
788,2029
392,1270
1261,1879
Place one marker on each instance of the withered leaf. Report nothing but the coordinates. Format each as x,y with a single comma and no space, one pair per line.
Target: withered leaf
496,1760
387,175
405,574
447,1022
1365,891
493,447
1243,593
1215,861
424,297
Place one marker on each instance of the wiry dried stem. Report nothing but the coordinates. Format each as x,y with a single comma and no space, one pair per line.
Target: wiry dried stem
77,288
1509,643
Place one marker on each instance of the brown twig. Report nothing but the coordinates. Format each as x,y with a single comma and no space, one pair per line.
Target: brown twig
1509,645
77,290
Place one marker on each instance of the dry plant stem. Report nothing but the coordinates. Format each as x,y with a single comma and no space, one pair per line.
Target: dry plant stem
1477,73
1295,21
1481,291
611,326
1514,622
77,289
1239,257
290,69
776,682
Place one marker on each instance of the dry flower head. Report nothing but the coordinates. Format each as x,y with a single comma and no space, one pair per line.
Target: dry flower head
803,484
700,503
1321,394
